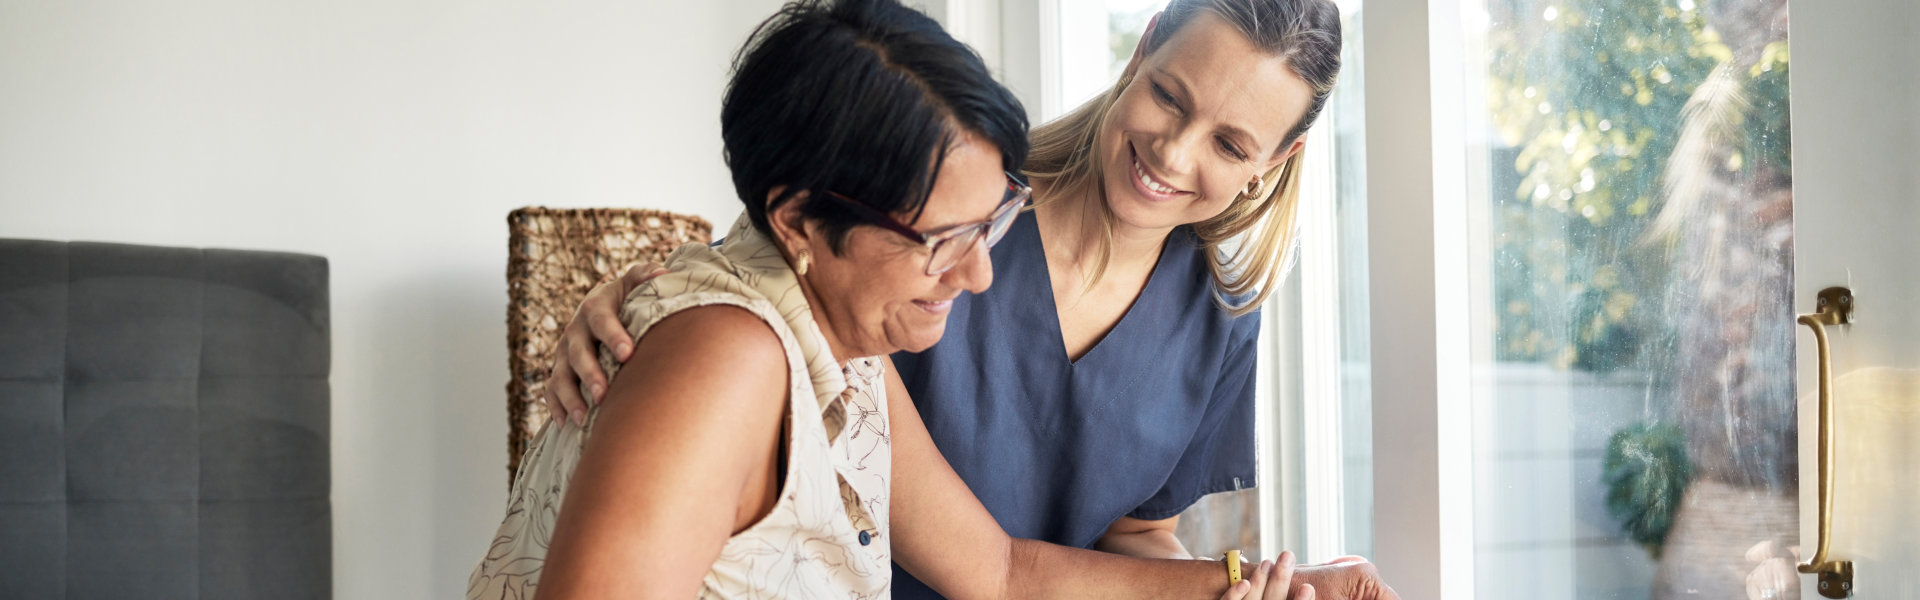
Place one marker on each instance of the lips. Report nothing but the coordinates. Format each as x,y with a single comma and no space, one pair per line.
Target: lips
934,306
1146,183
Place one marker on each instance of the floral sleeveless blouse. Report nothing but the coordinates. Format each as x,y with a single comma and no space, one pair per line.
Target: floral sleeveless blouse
827,535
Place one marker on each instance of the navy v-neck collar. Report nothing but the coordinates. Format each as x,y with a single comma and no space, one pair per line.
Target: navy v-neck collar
1128,331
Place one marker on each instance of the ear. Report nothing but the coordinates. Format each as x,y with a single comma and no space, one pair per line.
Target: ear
1140,49
1285,153
788,225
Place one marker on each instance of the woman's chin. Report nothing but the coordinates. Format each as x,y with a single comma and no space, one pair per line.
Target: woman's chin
919,337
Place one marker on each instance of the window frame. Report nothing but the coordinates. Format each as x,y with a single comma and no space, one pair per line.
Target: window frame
1420,277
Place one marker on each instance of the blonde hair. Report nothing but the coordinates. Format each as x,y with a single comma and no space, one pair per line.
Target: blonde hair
1306,34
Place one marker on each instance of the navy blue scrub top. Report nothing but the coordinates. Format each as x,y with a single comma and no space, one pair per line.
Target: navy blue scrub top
1155,416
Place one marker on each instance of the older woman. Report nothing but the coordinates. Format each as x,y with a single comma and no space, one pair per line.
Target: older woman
1107,383
744,450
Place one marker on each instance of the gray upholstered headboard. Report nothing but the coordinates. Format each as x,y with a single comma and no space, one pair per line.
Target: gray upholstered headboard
163,423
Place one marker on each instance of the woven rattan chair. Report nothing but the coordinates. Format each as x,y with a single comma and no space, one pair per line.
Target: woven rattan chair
554,257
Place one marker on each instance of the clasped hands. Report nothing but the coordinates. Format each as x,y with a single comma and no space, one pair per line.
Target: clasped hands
1343,578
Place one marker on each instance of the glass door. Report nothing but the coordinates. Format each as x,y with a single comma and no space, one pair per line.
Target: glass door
1629,182
1652,201
1854,89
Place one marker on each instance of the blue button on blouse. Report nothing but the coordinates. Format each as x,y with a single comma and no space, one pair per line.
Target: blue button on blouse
1156,415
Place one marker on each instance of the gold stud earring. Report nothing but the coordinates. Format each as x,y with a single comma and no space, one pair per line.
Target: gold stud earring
801,262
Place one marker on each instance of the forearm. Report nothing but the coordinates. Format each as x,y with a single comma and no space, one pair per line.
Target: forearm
1152,543
1038,569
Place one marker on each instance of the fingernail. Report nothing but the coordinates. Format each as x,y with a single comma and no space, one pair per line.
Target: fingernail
623,350
595,390
580,418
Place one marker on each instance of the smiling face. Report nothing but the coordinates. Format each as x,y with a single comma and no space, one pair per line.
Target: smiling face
875,296
1204,115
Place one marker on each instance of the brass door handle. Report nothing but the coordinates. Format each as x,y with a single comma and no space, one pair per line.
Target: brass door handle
1835,576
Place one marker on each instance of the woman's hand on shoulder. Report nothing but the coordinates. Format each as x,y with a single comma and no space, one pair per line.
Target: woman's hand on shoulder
596,323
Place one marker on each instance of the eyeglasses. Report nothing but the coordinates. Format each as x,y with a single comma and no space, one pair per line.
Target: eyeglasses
947,245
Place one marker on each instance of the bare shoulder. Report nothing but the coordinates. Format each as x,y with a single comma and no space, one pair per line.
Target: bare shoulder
677,442
721,328
716,351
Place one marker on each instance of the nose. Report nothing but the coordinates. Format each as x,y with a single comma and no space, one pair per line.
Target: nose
974,272
1176,150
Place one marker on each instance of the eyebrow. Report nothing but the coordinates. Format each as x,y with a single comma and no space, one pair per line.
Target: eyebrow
1235,131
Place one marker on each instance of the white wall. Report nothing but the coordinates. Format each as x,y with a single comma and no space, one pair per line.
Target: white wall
392,138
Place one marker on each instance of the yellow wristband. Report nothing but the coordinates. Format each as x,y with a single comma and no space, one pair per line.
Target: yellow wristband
1233,567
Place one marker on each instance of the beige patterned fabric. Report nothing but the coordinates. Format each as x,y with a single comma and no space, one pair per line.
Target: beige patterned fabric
839,451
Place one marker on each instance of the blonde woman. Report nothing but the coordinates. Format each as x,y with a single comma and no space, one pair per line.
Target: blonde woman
1106,383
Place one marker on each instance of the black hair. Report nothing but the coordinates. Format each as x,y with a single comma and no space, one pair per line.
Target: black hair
859,97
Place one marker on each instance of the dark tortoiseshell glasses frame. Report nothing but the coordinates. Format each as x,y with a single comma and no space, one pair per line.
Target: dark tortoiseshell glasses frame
946,245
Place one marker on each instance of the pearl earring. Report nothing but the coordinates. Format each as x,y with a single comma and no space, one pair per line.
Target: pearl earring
801,262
